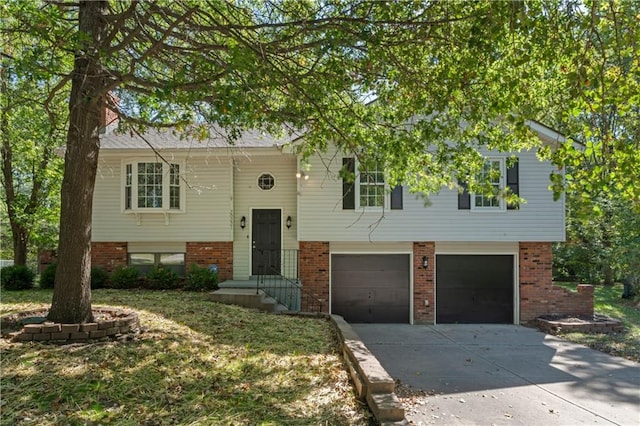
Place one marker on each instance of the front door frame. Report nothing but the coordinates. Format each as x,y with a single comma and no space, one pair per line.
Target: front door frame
251,235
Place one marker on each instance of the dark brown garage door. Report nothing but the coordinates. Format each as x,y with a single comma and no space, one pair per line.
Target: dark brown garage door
474,289
370,288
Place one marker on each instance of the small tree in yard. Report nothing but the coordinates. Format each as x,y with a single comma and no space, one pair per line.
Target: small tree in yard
304,65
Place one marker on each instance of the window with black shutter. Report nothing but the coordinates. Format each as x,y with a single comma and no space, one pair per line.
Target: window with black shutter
513,184
369,188
464,198
396,198
348,184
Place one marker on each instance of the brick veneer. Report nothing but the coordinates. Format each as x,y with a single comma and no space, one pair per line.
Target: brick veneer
109,255
423,283
212,253
538,295
314,272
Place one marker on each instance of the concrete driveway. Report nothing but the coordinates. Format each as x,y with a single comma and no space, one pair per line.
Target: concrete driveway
503,374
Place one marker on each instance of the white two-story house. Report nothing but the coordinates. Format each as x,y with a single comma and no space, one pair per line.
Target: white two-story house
366,251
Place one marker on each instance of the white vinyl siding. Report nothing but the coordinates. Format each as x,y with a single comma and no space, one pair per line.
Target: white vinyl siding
207,196
320,205
248,196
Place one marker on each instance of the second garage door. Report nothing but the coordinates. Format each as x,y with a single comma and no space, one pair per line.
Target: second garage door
370,288
474,289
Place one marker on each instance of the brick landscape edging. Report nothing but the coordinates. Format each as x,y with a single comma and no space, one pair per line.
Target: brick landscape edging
121,322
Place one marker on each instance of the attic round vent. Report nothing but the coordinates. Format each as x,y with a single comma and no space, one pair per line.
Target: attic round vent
266,181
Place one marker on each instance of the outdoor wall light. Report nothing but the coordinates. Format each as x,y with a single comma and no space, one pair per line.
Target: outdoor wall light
243,222
302,175
425,262
288,222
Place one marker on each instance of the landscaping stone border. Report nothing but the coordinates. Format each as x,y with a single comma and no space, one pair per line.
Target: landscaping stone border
372,382
118,322
554,324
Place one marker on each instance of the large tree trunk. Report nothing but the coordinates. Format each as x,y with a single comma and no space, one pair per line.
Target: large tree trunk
608,275
72,293
20,244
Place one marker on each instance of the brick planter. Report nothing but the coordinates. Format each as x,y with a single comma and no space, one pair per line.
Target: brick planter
109,324
553,324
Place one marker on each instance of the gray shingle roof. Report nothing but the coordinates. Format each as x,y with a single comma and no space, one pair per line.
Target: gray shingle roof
172,139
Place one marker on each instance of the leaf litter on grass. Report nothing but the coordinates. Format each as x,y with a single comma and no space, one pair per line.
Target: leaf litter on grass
196,362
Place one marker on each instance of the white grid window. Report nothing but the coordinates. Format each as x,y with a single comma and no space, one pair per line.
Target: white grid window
152,186
493,173
149,185
371,189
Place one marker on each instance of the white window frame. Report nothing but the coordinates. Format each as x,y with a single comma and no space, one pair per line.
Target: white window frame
166,186
358,186
501,184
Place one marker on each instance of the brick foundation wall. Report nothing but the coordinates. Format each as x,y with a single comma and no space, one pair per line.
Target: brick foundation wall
423,283
314,272
109,255
212,253
538,295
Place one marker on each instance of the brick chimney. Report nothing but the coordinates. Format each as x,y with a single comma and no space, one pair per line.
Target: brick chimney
108,117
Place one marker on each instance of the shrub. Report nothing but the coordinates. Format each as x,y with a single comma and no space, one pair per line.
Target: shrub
162,279
99,277
17,277
124,277
48,276
201,279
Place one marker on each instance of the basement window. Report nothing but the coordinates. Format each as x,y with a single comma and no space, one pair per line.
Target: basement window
145,262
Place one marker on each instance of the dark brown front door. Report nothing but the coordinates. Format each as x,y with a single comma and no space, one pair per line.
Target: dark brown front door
265,231
371,288
474,289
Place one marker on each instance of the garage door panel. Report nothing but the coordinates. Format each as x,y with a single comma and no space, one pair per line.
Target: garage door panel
371,287
474,289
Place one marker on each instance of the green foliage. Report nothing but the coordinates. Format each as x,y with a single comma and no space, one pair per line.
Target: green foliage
201,279
603,241
48,276
99,277
16,277
124,277
33,123
162,279
599,89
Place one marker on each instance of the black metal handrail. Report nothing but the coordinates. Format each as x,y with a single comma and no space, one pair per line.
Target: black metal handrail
279,278
284,290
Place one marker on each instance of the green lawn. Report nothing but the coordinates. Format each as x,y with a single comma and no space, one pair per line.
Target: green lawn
196,362
607,301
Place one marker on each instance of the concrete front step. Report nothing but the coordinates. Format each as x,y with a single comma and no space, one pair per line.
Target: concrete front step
247,297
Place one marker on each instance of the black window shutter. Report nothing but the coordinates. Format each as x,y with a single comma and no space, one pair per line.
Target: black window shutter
513,184
396,198
464,198
348,187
